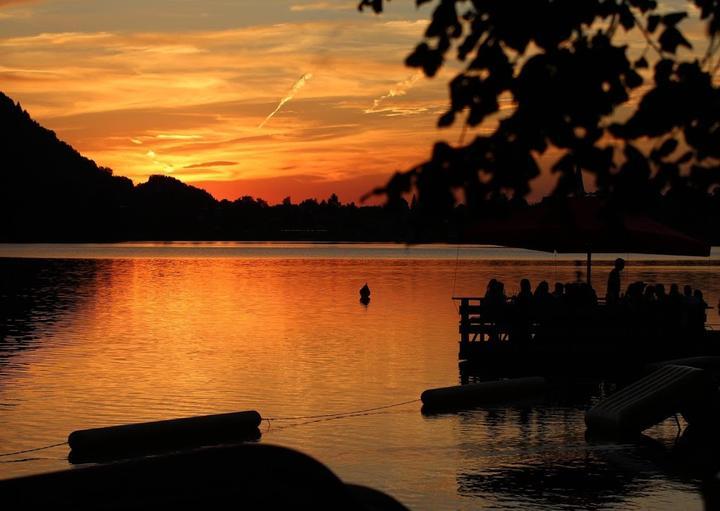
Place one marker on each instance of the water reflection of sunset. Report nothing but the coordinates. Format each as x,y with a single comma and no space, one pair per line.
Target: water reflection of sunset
142,338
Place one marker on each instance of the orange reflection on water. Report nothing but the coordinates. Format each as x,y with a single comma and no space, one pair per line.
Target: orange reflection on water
110,341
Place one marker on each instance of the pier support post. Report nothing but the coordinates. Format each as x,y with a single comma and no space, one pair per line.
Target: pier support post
589,268
464,321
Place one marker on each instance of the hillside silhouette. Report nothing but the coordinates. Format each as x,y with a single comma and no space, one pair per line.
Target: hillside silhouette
51,193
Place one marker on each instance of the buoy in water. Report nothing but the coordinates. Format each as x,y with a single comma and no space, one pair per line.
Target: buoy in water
365,295
128,440
365,292
490,392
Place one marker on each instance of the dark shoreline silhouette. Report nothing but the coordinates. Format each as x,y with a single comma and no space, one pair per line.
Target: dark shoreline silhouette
51,193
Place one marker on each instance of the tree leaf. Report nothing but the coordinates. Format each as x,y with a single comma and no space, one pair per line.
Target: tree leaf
641,63
671,38
653,22
446,119
672,19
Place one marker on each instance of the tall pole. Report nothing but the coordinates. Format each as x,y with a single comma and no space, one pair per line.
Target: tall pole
589,268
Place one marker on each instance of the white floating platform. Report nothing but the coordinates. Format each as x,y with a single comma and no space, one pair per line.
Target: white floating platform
669,390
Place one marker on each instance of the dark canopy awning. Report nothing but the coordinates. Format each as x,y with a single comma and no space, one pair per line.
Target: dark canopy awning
585,224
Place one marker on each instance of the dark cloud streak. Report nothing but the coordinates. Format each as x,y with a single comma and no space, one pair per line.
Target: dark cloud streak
210,164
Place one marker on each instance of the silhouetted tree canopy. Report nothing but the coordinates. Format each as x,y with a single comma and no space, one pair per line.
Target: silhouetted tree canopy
614,87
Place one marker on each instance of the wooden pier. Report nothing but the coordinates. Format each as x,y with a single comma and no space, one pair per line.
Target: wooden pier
475,326
484,336
583,336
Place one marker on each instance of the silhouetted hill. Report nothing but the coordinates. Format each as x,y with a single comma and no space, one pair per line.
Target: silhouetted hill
48,191
166,208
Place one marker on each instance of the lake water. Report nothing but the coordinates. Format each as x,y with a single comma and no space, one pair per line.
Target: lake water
94,335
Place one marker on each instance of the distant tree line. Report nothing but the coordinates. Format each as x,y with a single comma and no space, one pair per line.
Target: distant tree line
51,193
167,209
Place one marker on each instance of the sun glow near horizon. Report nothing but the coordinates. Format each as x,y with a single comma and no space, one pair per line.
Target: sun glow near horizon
208,92
194,99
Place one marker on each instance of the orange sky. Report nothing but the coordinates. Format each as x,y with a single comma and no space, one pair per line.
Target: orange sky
182,88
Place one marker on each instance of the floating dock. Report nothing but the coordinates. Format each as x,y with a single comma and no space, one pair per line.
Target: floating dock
476,394
129,440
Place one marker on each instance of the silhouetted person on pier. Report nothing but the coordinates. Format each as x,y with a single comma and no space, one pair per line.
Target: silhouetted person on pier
580,294
494,306
542,291
524,299
674,297
698,314
650,296
589,295
523,311
634,294
660,294
674,308
490,289
525,290
558,307
494,294
612,297
687,293
543,302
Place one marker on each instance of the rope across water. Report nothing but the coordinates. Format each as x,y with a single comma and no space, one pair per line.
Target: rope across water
340,414
15,453
309,419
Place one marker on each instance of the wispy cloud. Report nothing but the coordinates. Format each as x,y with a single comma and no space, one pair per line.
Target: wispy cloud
197,98
299,84
210,164
56,38
5,3
399,89
176,136
15,14
322,6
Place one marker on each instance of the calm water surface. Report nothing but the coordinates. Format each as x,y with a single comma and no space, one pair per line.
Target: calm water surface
93,335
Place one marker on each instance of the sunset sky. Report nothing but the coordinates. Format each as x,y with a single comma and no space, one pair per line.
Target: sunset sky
182,87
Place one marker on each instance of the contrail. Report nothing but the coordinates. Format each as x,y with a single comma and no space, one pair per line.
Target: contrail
399,89
295,88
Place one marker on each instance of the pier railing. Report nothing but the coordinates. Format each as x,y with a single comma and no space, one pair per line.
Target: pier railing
484,328
476,325
479,324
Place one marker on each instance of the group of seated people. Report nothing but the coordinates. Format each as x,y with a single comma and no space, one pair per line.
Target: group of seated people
674,310
646,306
578,293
